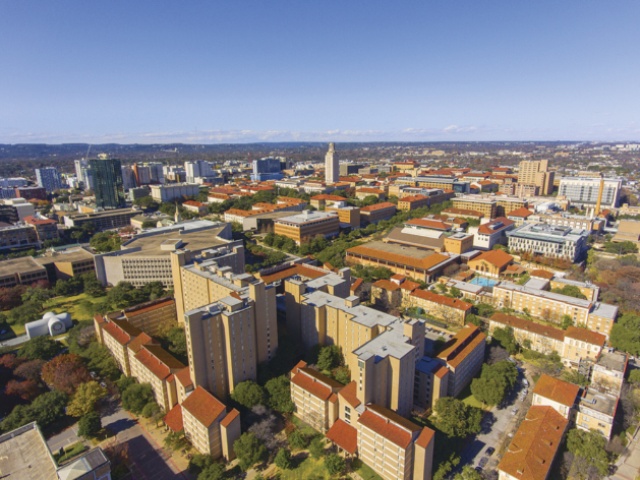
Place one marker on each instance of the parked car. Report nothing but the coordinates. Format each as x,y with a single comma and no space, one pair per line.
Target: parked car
490,451
483,462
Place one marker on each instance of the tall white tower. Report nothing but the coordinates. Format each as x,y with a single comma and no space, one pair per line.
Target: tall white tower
331,165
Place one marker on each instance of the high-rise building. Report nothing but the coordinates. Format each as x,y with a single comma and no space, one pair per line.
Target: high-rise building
197,169
583,190
49,178
331,165
536,174
266,169
128,177
108,188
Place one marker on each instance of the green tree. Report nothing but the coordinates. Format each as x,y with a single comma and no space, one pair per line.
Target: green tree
316,447
125,382
249,450
342,375
151,410
92,286
248,394
455,292
67,288
85,399
625,334
329,358
297,440
485,310
456,419
567,322
105,242
214,471
279,390
468,473
175,440
634,376
90,425
136,396
620,248
335,464
175,341
570,291
505,337
590,447
283,459
43,348
494,382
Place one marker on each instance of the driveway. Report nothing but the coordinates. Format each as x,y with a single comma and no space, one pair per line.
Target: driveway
148,459
64,438
497,426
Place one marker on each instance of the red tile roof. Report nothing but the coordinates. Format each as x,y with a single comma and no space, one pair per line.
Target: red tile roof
425,437
409,285
324,196
432,224
535,444
388,424
377,206
173,419
132,312
184,377
497,258
137,343
230,417
117,333
356,284
527,325
203,406
425,263
344,436
387,285
463,343
559,391
296,269
542,274
442,300
585,335
314,382
38,221
500,224
520,213
158,361
413,199
349,393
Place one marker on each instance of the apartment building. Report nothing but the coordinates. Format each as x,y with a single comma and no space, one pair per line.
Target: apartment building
431,382
536,174
376,213
394,447
452,310
557,394
404,260
595,316
463,356
157,367
147,256
200,281
21,271
46,229
534,446
426,199
208,425
491,264
307,225
488,235
174,191
314,396
585,191
154,317
519,216
607,374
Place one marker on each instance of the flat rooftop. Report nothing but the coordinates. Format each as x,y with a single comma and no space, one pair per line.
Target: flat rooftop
616,361
24,454
391,342
151,243
69,255
366,316
19,265
600,402
578,302
307,216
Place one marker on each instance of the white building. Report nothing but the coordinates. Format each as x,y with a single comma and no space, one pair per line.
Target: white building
549,241
583,190
173,191
331,165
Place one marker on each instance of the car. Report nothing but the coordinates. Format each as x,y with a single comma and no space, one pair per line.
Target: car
515,410
490,451
479,469
483,462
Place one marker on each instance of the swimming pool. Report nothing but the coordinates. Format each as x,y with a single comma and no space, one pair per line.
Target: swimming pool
483,281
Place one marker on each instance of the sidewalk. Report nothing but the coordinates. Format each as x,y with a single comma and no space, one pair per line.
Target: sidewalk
628,465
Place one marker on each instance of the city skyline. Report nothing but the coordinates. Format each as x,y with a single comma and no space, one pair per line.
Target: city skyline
253,72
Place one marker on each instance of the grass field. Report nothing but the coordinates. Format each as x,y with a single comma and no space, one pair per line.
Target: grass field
75,305
469,399
310,468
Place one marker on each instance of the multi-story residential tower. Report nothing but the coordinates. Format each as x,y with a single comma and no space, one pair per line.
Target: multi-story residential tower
108,188
582,190
536,174
331,165
49,178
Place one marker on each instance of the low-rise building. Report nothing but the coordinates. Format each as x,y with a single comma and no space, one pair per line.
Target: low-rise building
174,191
430,197
491,264
490,234
537,337
306,225
157,367
519,216
314,396
596,411
549,241
376,213
198,208
17,237
65,263
46,229
412,262
557,394
452,310
21,271
104,220
534,446
484,205
607,374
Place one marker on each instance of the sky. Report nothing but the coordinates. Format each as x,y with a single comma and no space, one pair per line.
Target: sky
239,71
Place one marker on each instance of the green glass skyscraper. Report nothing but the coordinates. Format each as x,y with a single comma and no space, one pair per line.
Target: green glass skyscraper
107,174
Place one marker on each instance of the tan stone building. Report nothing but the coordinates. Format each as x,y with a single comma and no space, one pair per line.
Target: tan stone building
536,173
491,264
486,206
463,356
377,212
62,264
208,426
157,367
541,338
21,271
452,310
596,411
306,225
314,396
557,394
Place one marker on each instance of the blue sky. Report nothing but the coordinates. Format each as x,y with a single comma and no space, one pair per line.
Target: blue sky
243,71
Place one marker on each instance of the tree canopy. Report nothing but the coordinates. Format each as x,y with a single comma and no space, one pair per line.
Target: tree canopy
590,447
457,419
85,399
136,396
40,348
105,242
329,358
65,373
248,394
494,382
249,450
625,334
279,390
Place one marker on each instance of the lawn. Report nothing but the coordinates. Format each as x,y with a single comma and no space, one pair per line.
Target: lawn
309,468
367,473
306,429
470,400
75,305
